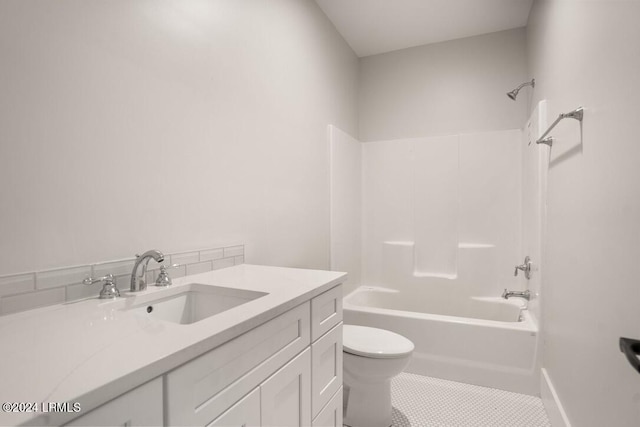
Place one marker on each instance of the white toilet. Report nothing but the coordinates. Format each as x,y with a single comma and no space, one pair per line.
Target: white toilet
371,358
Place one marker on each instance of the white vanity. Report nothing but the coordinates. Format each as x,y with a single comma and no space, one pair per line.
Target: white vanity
270,354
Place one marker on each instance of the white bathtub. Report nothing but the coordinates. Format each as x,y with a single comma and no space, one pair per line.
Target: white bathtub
490,342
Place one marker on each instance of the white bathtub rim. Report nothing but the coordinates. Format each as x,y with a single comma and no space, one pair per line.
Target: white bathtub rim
527,323
518,302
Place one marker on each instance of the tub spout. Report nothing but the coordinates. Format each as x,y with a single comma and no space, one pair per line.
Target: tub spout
518,294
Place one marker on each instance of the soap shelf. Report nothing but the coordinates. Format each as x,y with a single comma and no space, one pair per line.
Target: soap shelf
577,114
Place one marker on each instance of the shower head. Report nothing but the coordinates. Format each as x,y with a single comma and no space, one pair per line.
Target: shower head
514,93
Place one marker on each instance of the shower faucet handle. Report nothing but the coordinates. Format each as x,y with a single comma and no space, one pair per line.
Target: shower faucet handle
526,268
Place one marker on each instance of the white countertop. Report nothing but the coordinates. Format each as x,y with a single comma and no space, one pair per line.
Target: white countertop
91,351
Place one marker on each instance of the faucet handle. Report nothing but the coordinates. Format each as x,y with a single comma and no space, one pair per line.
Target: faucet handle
91,280
109,289
526,268
163,278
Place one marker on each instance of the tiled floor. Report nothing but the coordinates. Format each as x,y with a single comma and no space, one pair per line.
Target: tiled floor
431,402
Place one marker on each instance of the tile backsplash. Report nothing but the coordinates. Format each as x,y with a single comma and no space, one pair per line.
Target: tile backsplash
25,291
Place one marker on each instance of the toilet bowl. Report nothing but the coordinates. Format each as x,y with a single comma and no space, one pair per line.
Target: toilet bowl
372,357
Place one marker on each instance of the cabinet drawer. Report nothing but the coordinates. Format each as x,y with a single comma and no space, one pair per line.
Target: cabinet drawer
141,406
326,368
245,413
201,390
326,312
331,415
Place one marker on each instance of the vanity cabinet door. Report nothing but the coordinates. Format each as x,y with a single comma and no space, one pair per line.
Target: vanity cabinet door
245,413
139,407
286,395
326,368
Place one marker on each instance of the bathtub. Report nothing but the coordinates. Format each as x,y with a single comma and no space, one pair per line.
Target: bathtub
490,342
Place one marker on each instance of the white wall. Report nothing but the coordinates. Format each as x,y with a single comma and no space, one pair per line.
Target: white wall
586,53
444,88
127,125
346,206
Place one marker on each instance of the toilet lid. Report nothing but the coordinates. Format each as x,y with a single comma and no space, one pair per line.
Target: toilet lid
375,343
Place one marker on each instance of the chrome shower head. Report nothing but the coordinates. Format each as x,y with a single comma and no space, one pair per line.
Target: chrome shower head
514,93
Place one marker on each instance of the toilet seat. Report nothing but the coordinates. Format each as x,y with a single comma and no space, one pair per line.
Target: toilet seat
374,343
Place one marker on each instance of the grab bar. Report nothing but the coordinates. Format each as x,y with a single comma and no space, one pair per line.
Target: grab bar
631,349
577,114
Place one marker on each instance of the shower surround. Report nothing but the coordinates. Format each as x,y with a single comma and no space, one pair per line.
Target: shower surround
440,231
446,207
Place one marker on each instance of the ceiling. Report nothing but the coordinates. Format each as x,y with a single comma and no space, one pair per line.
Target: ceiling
377,26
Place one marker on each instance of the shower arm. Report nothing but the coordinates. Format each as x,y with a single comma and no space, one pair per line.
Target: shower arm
577,114
532,83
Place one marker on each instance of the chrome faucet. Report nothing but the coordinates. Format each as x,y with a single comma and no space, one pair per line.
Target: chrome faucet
518,294
138,281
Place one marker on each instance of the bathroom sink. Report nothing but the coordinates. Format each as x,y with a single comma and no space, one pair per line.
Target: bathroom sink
194,303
